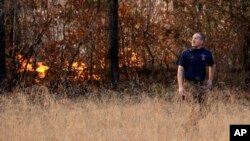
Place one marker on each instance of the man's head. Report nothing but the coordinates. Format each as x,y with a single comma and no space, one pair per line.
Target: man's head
198,39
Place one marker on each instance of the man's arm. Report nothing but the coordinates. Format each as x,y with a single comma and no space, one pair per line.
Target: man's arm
180,79
211,70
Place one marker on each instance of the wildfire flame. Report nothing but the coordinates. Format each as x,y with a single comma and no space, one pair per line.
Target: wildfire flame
41,69
79,68
132,59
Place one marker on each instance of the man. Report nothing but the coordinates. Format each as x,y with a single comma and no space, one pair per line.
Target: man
192,65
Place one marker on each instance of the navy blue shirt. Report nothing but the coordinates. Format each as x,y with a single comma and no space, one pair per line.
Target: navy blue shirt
194,62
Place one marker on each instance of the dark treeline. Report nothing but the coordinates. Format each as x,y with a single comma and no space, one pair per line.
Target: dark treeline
54,42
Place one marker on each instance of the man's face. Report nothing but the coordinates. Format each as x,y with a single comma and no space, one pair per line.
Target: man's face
197,41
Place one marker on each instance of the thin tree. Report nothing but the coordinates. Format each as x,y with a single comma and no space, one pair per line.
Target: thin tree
113,41
2,44
245,5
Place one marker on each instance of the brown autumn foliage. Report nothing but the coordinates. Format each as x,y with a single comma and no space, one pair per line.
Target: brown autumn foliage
65,41
60,44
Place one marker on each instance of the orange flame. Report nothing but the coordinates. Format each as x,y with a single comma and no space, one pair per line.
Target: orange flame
79,68
41,69
132,58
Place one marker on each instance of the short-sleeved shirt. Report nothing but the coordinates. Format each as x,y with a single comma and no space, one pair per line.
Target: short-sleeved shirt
194,62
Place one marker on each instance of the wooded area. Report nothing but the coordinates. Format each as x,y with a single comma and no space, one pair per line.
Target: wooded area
63,42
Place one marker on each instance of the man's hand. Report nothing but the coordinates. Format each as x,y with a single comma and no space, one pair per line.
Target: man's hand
181,91
209,84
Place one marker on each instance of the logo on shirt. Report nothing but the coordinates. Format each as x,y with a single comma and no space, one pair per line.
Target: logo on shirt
203,57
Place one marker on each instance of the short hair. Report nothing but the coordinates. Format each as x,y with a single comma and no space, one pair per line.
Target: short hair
202,35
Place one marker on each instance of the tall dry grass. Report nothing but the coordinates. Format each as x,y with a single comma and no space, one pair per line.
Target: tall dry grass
37,116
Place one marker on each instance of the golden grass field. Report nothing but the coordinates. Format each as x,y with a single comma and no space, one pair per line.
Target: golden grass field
45,118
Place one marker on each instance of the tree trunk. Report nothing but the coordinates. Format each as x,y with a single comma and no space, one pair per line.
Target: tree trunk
2,44
246,46
246,57
246,54
124,66
196,12
113,41
14,53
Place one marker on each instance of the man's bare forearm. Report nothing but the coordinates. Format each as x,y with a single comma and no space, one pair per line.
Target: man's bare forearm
211,71
180,76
